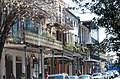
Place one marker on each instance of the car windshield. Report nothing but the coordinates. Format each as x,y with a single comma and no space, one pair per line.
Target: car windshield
84,77
110,72
96,75
55,77
72,77
104,74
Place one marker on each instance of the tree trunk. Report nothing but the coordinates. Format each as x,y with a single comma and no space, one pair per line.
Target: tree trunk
3,37
4,33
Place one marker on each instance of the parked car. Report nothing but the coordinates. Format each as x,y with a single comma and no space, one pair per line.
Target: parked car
85,77
59,76
105,75
111,74
74,77
116,73
97,76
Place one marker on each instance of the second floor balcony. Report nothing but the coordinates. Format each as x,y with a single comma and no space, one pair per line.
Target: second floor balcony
42,41
35,39
63,21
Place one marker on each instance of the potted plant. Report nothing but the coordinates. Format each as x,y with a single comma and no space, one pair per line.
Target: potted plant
69,45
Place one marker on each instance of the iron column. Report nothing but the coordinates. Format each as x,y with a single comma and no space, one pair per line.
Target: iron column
62,63
25,49
52,61
41,63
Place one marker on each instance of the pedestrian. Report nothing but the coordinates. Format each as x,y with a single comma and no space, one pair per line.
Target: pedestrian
46,75
23,76
79,72
12,76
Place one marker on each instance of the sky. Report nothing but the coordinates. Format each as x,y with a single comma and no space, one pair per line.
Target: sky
86,17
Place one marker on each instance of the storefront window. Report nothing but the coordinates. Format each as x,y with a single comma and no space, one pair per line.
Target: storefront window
36,69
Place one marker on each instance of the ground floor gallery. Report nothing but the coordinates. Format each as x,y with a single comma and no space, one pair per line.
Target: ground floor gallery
34,63
16,62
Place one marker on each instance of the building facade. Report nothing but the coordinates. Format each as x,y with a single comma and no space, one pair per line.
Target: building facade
34,47
56,43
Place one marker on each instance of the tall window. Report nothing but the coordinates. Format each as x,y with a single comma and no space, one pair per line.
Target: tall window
31,26
17,31
76,39
59,8
14,31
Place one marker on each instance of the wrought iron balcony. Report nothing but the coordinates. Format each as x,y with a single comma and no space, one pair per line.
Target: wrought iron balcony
42,41
65,22
96,57
35,39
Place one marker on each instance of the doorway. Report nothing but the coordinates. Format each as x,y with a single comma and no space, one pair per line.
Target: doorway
9,65
18,70
18,67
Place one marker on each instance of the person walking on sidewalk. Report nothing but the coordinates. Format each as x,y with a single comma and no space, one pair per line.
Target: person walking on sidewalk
12,76
23,76
46,75
79,72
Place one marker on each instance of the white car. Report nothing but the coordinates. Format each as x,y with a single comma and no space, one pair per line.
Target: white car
116,73
105,75
85,77
97,76
59,76
111,74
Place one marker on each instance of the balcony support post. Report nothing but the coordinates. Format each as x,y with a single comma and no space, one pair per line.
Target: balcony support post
52,61
25,50
41,63
62,63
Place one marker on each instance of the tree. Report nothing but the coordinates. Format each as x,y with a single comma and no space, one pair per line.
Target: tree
11,10
8,13
109,17
109,12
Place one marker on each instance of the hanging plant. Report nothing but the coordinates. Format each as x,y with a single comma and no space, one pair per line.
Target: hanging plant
46,34
10,40
69,45
77,48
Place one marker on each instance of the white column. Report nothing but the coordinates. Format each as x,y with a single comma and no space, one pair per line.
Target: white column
23,62
2,66
14,65
43,66
70,68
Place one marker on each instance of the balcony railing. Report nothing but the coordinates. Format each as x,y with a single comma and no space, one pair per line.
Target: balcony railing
68,22
64,22
94,40
96,57
41,40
